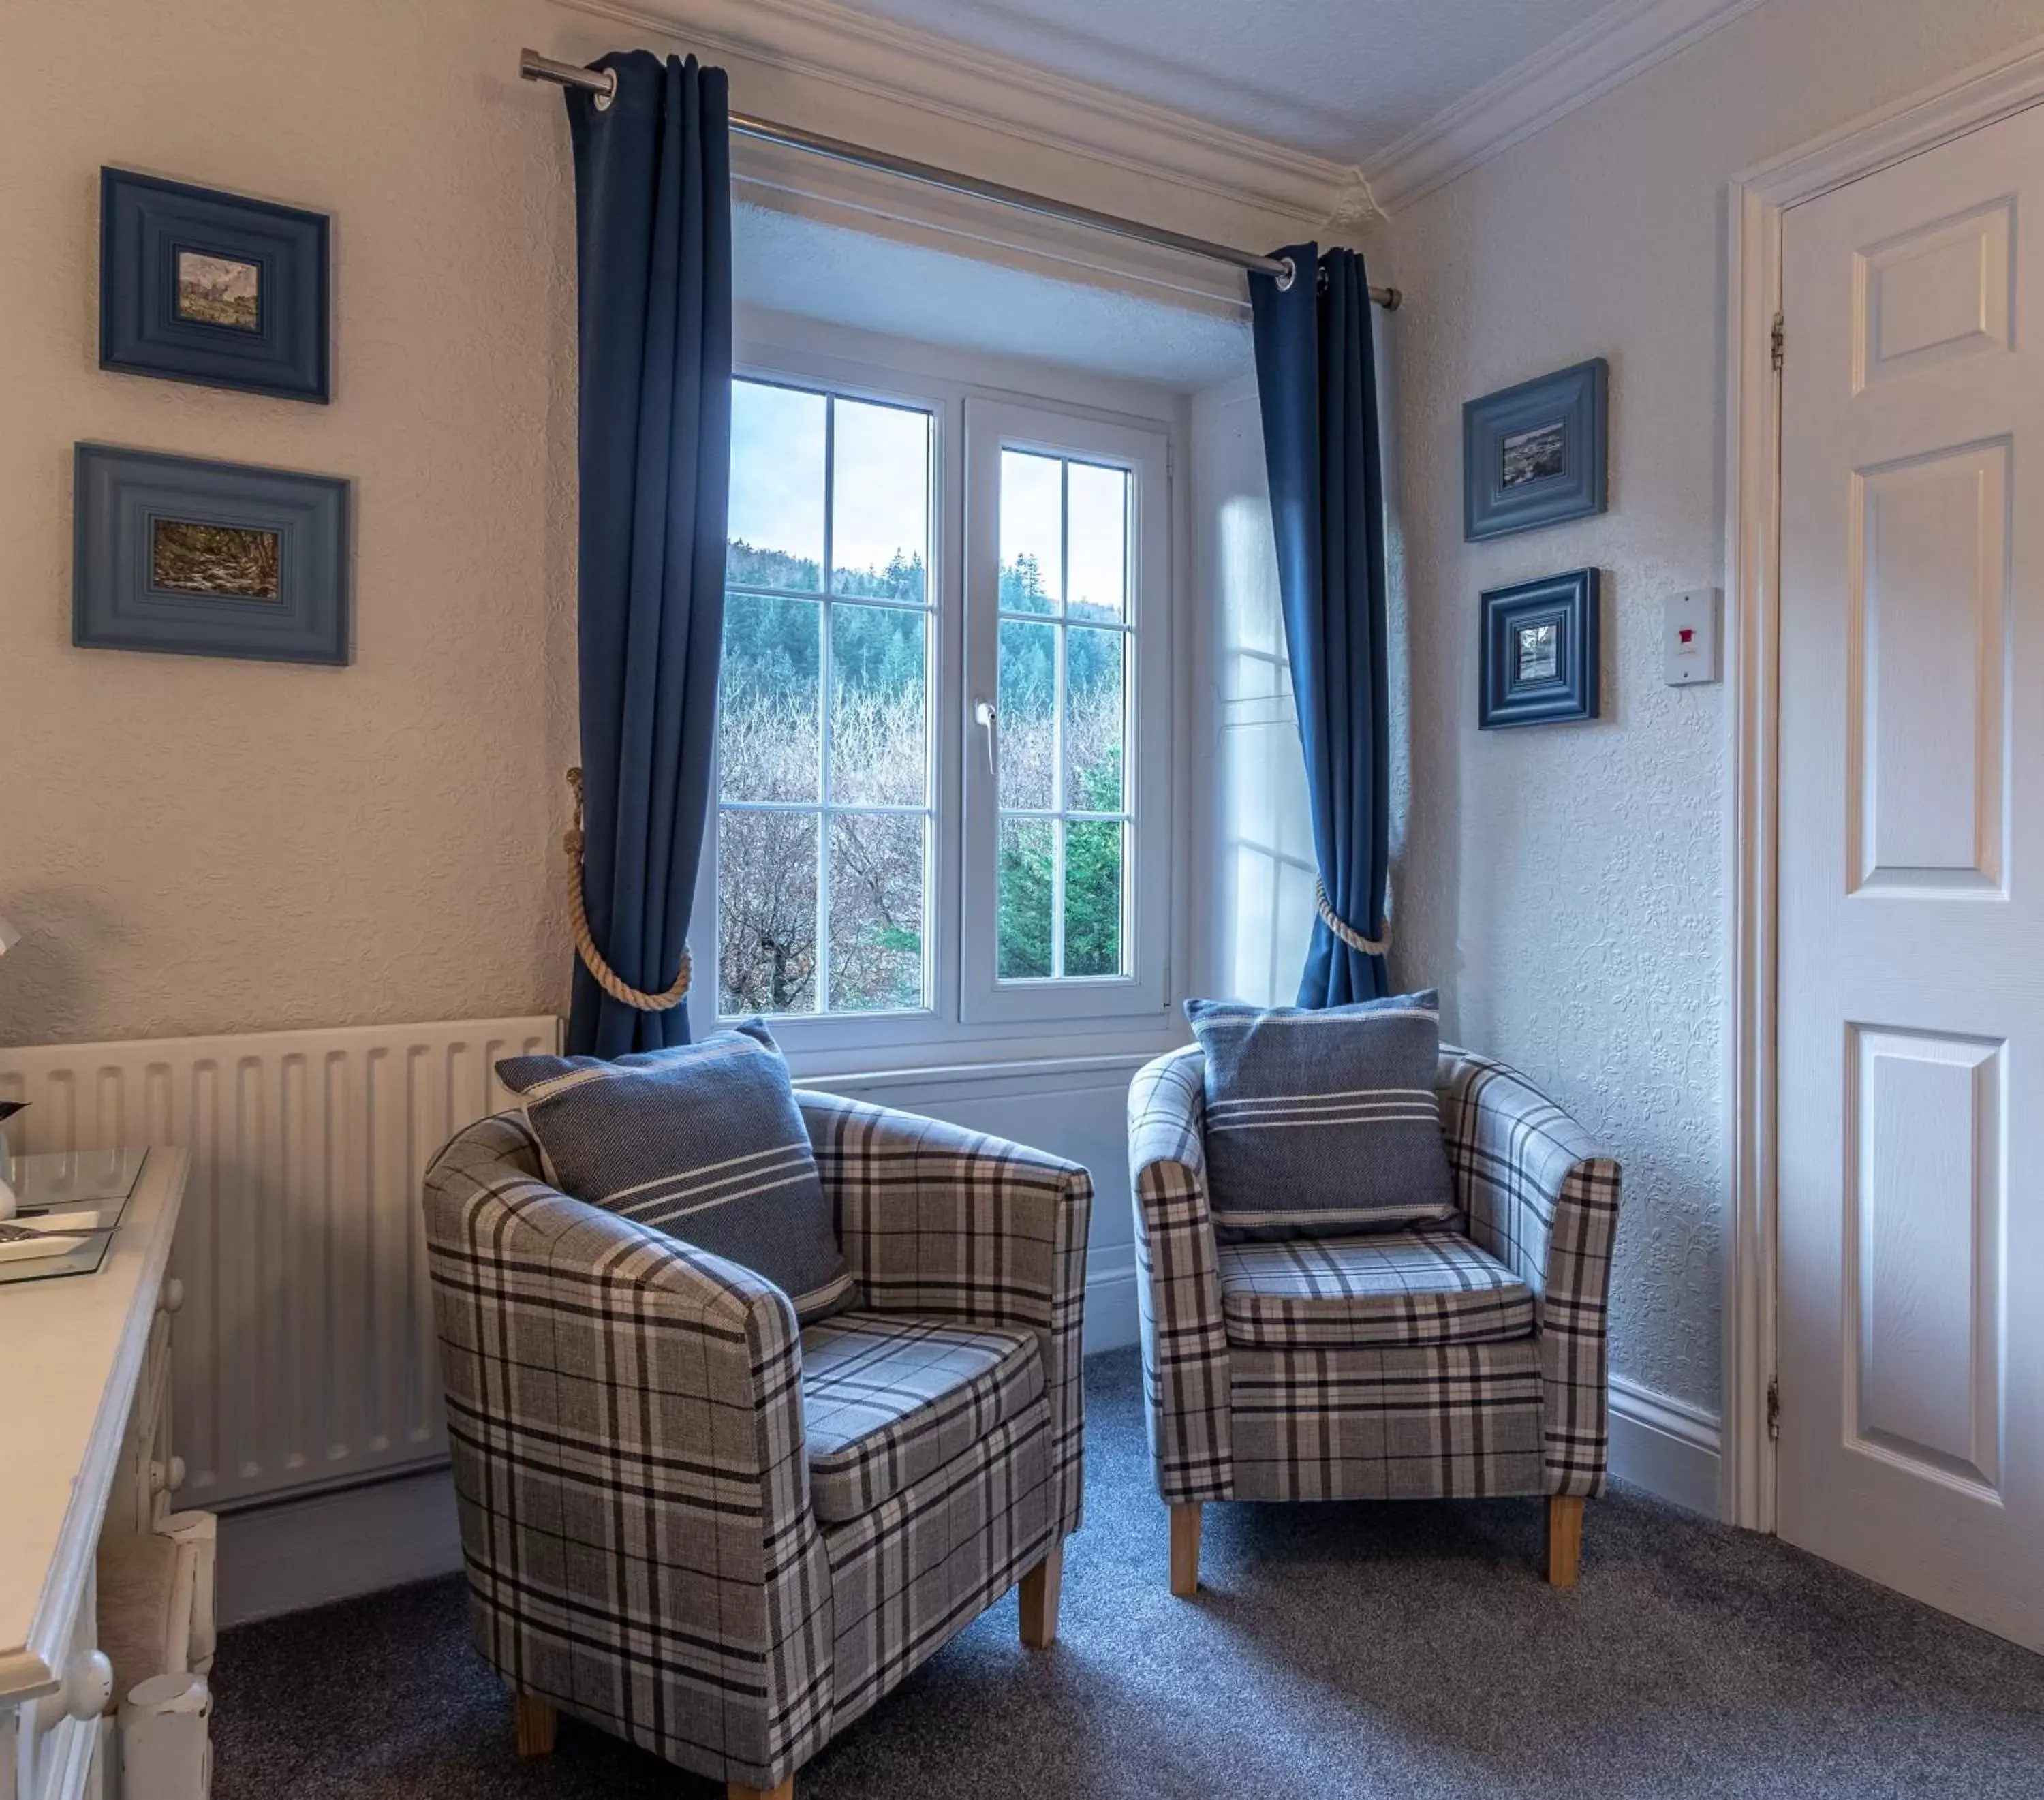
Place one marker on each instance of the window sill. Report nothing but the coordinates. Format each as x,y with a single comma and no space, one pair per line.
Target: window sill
965,1054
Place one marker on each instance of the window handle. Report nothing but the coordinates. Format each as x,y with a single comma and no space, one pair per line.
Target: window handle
987,719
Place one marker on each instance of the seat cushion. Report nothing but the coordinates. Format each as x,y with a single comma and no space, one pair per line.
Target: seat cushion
888,1397
1419,1287
1322,1122
704,1142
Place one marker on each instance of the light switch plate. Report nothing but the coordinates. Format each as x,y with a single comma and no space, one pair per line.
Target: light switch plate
1689,637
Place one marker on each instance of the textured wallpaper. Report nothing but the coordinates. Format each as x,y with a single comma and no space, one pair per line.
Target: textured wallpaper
1567,885
190,845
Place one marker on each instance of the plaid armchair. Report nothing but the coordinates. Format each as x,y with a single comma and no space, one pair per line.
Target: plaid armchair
1468,1360
723,1539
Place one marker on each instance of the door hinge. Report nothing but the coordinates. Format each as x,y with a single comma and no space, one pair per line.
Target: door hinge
1781,336
1774,1407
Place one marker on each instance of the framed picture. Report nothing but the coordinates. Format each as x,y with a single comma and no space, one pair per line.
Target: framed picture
1540,652
199,285
1534,454
202,558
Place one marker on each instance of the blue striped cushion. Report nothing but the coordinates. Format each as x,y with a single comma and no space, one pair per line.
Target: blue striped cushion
1322,1123
705,1143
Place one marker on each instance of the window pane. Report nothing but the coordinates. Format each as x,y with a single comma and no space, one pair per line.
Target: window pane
1027,877
768,742
880,500
1093,898
1028,702
1093,720
876,912
1031,532
766,913
879,713
776,487
1099,548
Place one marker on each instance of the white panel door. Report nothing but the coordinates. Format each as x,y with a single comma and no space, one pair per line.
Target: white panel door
1911,926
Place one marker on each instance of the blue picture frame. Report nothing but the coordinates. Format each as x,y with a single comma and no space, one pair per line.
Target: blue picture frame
1540,653
199,285
1534,454
192,557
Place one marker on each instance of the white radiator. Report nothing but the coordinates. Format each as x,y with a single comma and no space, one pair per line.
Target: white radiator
305,1350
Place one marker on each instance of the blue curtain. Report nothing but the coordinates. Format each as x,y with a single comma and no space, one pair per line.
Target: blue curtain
1316,376
653,241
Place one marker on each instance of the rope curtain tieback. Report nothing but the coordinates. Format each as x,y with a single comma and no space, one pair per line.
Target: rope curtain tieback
1346,932
607,978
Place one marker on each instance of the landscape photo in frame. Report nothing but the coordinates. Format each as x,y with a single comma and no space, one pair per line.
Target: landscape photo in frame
222,290
190,557
219,291
1534,455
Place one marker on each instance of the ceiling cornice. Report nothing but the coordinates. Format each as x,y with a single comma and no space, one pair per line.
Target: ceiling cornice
937,75
1626,39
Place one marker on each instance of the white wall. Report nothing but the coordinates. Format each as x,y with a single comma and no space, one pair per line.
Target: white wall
1253,837
191,844
1567,885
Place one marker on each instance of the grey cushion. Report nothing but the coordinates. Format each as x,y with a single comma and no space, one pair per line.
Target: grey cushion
1430,1285
888,1398
704,1142
1322,1123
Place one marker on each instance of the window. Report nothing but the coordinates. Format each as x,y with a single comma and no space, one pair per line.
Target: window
1063,718
823,820
1068,811
942,779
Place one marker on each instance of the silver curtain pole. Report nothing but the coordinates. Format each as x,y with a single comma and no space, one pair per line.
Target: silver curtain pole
603,84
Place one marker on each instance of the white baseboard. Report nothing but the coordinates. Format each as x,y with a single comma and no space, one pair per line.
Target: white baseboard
1666,1445
289,1555
1111,1319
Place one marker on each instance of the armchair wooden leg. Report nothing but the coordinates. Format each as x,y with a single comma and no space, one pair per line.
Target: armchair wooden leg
534,1723
1039,1599
1565,1538
738,1791
1185,1549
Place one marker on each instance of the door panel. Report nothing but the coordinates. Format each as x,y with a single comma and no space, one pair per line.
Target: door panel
1924,1241
1931,592
1935,292
1911,905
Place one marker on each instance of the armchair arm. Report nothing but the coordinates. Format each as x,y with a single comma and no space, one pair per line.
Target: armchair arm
1178,1282
625,1415
937,1219
1541,1196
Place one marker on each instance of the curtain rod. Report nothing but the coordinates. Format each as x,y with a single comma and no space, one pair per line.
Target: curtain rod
603,84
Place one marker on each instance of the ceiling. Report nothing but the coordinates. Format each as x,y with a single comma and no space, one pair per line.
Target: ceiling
1340,79
907,290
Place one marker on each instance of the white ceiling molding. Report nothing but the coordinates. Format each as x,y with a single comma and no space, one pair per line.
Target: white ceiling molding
847,197
1624,39
941,79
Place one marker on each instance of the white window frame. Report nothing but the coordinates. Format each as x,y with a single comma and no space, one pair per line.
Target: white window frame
992,426
1133,1006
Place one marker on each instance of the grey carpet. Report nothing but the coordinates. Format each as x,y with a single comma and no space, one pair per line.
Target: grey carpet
1335,1650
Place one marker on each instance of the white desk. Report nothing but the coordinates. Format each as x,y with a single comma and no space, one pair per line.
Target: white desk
84,1453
